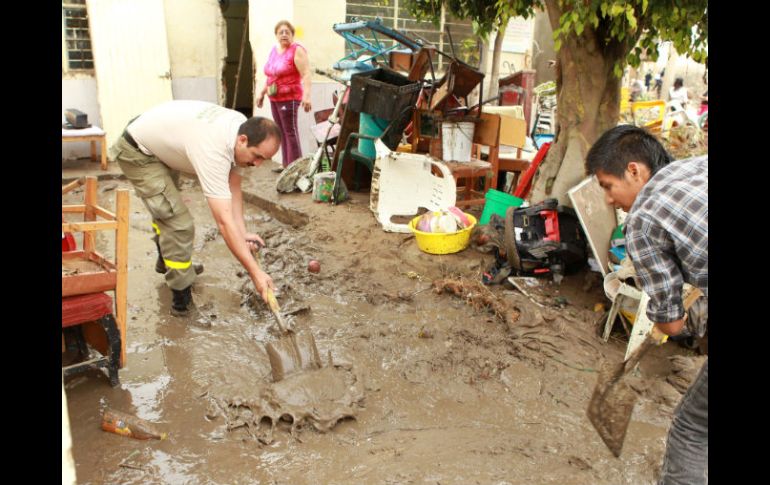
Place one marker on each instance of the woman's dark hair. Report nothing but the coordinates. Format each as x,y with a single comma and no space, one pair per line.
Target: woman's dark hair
286,23
257,129
619,146
678,82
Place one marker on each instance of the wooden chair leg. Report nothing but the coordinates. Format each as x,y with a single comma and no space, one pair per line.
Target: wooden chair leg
104,153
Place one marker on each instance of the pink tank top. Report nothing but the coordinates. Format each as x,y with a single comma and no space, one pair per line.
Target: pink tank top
280,69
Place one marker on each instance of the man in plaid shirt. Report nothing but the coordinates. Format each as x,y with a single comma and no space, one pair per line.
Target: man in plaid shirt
667,241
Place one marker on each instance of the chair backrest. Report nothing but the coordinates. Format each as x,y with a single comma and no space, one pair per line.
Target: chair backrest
487,130
405,184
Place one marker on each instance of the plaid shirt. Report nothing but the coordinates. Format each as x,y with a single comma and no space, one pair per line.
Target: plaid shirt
667,236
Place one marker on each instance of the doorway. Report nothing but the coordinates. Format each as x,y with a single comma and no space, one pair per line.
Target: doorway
238,71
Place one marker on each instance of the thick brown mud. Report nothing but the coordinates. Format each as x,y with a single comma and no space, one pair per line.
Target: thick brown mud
422,387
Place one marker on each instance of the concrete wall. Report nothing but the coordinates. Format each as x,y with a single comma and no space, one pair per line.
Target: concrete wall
196,48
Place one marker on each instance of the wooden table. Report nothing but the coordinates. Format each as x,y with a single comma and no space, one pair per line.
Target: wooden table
92,134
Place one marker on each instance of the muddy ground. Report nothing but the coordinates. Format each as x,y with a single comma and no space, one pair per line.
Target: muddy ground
436,391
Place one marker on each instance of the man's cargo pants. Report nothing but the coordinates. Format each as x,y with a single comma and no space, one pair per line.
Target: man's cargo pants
154,183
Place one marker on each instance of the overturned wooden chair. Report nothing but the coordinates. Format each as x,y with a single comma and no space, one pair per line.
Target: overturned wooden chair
95,322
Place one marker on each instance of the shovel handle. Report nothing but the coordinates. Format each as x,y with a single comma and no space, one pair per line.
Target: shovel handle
271,301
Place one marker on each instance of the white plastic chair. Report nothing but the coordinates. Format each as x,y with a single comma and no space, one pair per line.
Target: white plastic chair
403,182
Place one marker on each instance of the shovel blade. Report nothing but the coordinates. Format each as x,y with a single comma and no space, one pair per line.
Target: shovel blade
292,353
610,409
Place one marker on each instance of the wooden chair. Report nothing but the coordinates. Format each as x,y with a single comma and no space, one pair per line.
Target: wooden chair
486,133
83,289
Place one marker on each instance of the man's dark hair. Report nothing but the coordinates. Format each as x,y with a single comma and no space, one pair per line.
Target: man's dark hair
678,82
257,129
619,146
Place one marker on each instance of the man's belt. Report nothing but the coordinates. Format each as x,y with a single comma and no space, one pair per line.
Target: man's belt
130,139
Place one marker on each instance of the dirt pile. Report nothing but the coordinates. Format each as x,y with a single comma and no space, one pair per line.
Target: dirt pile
318,398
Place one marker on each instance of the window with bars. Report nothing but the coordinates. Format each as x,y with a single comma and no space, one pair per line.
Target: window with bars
394,15
77,38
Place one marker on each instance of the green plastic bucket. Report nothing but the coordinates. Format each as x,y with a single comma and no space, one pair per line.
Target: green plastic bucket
497,203
372,126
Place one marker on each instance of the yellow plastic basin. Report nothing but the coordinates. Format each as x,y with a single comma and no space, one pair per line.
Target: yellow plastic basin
442,242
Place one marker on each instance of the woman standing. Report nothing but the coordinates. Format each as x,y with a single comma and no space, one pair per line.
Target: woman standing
288,86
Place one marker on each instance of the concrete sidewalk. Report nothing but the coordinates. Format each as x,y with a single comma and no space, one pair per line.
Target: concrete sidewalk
80,167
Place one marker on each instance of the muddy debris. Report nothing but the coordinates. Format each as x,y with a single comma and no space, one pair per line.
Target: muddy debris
319,399
479,297
684,370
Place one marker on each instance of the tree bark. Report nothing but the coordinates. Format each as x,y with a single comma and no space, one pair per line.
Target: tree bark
495,75
588,105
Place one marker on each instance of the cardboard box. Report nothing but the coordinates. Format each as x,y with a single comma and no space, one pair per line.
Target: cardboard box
513,128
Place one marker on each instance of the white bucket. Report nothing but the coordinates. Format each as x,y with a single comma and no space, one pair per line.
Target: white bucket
457,141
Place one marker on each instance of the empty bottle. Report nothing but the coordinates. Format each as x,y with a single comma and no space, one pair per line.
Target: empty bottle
126,425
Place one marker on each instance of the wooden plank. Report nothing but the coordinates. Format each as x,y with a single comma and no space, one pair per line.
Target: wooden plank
80,208
101,211
88,227
72,185
89,241
596,217
487,130
85,283
104,152
121,261
81,138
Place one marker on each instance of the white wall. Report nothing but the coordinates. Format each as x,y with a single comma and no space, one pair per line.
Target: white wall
79,92
196,48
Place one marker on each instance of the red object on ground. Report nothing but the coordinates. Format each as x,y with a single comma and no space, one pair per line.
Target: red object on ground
551,226
84,308
314,266
526,179
68,242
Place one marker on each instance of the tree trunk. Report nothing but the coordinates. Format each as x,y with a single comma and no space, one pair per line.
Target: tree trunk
588,105
495,75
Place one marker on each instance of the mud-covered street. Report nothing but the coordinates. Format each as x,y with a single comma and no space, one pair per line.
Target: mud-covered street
417,386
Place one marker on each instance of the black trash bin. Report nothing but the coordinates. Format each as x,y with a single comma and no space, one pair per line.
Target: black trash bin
387,95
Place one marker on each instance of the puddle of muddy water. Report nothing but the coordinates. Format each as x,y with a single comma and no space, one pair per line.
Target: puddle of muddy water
438,391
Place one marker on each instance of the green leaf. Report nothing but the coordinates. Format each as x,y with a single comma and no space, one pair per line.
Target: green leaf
575,16
616,10
604,8
631,19
557,45
579,28
644,6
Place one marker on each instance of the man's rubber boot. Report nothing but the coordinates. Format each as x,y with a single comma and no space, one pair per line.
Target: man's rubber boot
183,306
160,265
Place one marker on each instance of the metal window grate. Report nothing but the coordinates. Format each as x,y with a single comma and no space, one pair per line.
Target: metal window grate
76,35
